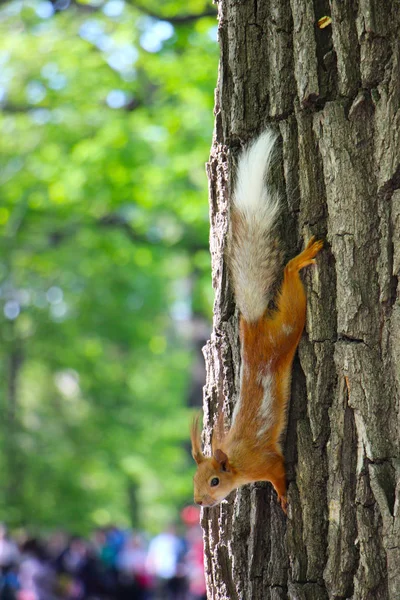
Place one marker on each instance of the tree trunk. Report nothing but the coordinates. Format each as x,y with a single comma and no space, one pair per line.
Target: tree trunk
12,458
334,95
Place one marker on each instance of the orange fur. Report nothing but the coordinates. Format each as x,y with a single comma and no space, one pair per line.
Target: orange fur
250,451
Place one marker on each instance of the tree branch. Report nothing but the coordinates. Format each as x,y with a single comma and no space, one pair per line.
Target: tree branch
8,107
187,242
173,19
112,220
176,19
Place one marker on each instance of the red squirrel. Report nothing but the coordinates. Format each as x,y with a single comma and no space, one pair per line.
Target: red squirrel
250,451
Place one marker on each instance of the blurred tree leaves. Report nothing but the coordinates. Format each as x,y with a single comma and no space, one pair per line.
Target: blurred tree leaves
105,126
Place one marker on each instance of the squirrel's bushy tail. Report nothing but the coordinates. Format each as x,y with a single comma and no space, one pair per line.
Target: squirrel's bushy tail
254,253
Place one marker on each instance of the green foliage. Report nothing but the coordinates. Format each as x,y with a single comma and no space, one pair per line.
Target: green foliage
105,129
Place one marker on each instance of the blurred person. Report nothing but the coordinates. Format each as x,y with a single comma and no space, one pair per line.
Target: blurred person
194,559
9,584
94,576
36,576
195,563
98,540
9,554
134,578
114,541
72,556
165,562
70,564
9,557
105,561
82,574
132,557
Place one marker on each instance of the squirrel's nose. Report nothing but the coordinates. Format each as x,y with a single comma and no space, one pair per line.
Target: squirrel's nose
199,502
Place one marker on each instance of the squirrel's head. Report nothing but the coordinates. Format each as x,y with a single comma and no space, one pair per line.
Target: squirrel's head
215,478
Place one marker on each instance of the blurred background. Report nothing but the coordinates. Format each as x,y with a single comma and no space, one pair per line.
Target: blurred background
106,117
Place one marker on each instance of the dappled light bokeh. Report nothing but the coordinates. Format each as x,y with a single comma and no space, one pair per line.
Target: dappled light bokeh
106,117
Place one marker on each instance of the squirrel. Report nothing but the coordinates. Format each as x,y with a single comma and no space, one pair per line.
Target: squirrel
250,451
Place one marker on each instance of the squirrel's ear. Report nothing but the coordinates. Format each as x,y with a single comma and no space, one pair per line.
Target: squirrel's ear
222,460
196,441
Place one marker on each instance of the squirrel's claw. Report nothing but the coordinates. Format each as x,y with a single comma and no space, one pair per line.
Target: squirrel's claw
283,503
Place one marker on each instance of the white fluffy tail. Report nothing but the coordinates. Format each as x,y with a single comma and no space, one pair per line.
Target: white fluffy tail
254,253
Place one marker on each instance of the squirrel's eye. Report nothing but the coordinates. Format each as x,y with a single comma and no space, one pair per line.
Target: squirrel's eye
214,481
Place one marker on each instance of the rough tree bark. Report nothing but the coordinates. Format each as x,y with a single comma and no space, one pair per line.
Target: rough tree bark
334,95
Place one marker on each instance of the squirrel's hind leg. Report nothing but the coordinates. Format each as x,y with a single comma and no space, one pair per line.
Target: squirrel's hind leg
286,324
306,257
